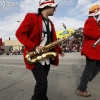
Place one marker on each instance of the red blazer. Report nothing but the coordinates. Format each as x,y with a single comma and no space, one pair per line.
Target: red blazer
91,34
29,34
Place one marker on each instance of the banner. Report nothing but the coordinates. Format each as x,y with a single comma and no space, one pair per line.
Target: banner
64,33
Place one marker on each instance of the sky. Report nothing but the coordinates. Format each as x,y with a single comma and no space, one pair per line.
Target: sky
73,13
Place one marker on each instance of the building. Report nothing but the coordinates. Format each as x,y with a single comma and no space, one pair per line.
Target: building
12,45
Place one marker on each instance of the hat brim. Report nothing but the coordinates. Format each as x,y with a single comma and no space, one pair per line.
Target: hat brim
93,14
49,4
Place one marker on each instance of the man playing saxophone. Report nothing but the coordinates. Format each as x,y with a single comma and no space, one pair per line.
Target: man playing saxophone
91,34
36,31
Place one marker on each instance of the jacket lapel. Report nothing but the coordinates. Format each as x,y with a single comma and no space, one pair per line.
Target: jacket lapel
39,22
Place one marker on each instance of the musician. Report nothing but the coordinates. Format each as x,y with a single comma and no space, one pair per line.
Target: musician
91,34
36,31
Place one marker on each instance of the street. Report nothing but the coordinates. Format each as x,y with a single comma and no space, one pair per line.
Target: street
17,83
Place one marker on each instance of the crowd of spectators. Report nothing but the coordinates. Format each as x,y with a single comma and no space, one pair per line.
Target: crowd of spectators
72,45
9,52
14,52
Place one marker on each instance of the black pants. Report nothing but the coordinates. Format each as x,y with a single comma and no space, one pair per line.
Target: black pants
40,73
92,68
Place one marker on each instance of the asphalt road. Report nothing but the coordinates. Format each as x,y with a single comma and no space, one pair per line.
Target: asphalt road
17,83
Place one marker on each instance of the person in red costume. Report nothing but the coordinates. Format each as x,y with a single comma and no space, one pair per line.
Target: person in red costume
36,31
91,34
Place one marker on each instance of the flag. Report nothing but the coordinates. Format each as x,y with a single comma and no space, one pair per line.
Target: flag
0,41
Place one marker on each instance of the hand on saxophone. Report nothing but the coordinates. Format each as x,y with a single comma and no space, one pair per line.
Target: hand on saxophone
39,49
62,54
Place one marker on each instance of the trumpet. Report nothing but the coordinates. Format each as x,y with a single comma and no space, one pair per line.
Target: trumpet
96,43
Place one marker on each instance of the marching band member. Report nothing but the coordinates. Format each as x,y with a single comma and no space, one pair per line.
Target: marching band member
91,34
36,31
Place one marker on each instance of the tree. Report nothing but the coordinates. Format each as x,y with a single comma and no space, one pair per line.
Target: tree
78,32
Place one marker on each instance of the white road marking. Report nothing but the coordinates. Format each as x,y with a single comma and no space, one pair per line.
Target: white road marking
53,68
12,65
78,66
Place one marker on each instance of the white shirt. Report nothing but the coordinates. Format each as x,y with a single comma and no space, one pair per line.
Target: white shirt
43,42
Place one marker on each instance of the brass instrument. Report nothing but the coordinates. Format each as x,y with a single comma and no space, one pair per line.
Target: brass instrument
33,56
96,43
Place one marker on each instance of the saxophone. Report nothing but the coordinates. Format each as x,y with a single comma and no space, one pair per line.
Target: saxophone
33,56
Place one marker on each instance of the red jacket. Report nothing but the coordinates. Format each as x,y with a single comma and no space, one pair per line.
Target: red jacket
91,34
29,34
